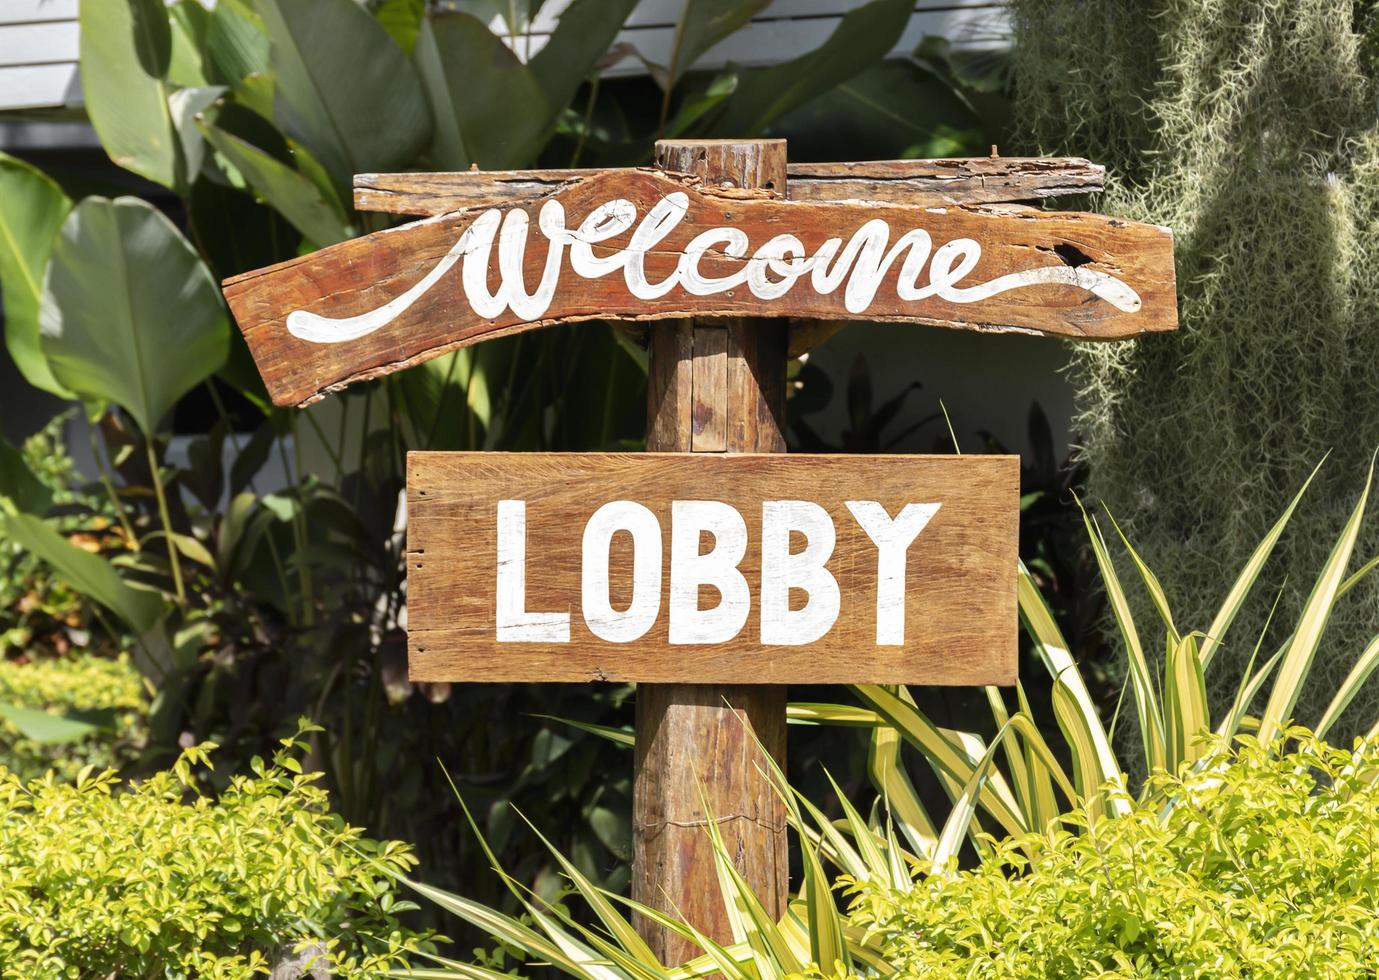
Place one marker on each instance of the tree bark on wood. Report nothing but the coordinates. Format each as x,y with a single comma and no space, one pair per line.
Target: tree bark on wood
714,386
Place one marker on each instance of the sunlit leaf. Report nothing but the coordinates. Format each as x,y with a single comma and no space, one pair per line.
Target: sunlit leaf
1302,648
130,314
32,209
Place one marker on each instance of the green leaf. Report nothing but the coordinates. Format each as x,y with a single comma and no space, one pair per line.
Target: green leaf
1157,595
152,35
1245,581
128,105
891,109
46,729
1302,648
1186,703
401,19
18,484
863,37
311,211
582,36
32,208
186,106
750,921
89,574
488,107
892,781
946,755
702,24
1148,713
236,43
959,821
1359,673
347,92
1074,708
130,314
618,736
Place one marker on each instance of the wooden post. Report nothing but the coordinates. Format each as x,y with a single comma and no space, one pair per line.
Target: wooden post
716,385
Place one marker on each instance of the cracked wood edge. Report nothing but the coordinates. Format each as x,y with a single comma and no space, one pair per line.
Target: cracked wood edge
957,181
363,274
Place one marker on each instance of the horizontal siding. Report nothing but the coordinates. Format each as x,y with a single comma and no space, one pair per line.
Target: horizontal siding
39,86
665,13
39,44
36,11
39,39
769,40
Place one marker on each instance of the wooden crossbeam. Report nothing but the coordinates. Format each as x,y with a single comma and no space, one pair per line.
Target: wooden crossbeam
924,183
666,246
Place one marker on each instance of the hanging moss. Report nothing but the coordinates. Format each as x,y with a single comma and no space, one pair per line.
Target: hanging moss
1248,127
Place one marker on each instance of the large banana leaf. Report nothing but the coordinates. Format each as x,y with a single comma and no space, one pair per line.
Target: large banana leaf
126,46
343,87
489,108
582,36
130,314
311,211
32,208
701,25
862,38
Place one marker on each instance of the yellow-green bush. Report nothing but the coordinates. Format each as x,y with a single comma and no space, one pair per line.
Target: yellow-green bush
104,689
1266,866
154,880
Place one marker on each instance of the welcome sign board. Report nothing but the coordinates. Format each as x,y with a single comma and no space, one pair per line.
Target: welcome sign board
716,568
640,245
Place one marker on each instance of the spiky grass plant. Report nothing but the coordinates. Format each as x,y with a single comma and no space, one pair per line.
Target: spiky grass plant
1010,789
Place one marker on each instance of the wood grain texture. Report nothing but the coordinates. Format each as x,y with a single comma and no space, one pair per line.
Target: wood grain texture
708,420
959,604
361,277
694,738
921,183
698,742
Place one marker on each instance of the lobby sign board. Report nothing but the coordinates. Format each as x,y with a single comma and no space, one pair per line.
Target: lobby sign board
720,568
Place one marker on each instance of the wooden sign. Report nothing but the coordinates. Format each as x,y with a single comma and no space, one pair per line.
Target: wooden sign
733,569
641,244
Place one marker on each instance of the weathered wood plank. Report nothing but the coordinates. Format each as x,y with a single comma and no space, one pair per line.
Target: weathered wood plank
720,731
923,183
956,612
709,416
659,247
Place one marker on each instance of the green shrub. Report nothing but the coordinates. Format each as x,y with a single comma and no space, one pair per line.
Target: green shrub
105,691
158,881
1265,866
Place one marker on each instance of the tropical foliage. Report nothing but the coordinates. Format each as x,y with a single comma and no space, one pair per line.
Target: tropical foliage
250,559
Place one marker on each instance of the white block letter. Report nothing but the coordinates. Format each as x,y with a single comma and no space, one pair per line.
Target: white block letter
689,570
780,571
892,539
603,620
515,624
